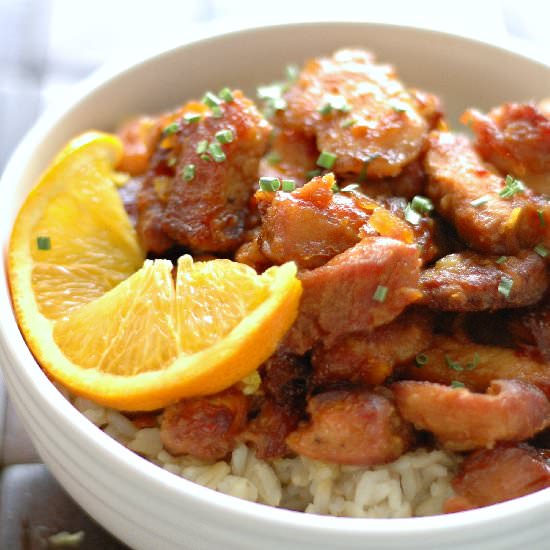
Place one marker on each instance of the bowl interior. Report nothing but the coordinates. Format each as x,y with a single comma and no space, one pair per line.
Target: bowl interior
463,72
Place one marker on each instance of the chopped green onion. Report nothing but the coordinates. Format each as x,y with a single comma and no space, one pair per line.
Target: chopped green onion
224,136
191,118
171,129
292,72
337,103
474,363
481,200
313,174
398,109
505,286
455,384
188,172
453,364
422,204
412,216
541,250
272,91
380,293
421,359
217,111
541,218
350,187
334,188
501,260
216,151
511,187
206,156
273,158
210,99
226,95
326,160
171,161
348,123
202,146
288,185
269,184
280,104
43,243
326,109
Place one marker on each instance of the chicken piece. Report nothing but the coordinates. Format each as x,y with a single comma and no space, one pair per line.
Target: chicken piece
370,357
139,138
362,288
496,225
429,106
312,224
204,427
352,427
469,281
388,133
515,138
532,328
510,411
475,365
490,476
292,156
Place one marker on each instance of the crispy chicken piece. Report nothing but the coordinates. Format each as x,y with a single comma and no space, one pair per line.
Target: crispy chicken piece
362,288
476,365
388,133
292,156
205,427
510,411
352,427
497,475
515,138
370,357
469,281
139,138
458,178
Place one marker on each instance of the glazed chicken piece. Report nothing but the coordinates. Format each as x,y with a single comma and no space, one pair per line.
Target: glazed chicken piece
465,191
510,411
429,106
515,138
362,288
201,200
352,427
469,281
451,359
388,130
532,328
204,427
490,476
370,357
292,155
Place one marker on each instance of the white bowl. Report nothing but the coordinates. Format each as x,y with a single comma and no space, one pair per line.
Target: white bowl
140,503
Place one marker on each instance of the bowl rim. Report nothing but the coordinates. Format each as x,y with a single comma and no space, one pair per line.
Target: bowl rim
27,369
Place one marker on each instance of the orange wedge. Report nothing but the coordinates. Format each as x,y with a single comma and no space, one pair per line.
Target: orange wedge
123,333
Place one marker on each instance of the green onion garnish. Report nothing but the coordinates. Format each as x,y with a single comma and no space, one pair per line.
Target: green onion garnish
337,103
171,161
421,204
226,95
481,200
273,158
217,111
412,216
453,364
326,109
326,160
350,187
505,286
501,260
455,384
171,129
224,136
541,218
210,99
272,91
421,359
269,184
348,123
292,73
191,118
334,188
206,157
288,185
202,146
43,243
279,104
216,151
511,187
474,363
380,293
188,172
541,250
313,174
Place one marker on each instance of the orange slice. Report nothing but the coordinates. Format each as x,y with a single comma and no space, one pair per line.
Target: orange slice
132,340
